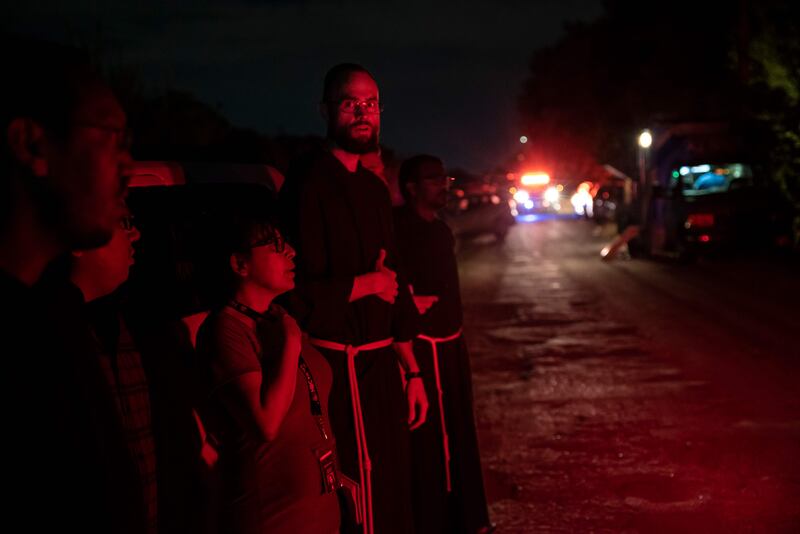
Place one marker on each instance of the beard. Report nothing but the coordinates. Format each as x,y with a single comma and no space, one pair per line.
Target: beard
346,141
440,201
436,202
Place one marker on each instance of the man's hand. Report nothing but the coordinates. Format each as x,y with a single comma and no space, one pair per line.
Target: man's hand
382,282
417,403
385,280
424,302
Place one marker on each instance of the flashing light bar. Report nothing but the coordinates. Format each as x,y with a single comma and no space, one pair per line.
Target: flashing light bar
535,179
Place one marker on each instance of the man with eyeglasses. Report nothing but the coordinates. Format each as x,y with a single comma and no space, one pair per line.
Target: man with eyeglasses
62,171
360,312
448,486
98,273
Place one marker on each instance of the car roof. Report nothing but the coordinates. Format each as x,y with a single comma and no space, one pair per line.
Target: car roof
180,266
171,173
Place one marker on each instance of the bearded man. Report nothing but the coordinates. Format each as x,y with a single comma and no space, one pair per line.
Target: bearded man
359,310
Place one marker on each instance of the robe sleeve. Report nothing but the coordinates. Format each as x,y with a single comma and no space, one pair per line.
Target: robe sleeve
303,217
405,317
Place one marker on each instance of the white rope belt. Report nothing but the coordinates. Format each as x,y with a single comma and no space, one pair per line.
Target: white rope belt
434,341
364,463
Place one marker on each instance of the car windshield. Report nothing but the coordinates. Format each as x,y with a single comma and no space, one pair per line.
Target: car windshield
711,178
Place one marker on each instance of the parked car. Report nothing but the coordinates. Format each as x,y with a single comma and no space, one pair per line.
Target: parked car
477,211
182,228
706,191
181,211
719,205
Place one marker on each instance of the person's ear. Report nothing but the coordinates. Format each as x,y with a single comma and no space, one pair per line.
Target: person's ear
238,264
324,111
26,141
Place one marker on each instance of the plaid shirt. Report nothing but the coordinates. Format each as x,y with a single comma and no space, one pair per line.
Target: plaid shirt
123,369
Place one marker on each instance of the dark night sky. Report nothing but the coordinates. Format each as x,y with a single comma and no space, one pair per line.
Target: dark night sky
449,72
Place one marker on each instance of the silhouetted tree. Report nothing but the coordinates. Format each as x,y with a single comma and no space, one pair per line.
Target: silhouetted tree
775,86
588,95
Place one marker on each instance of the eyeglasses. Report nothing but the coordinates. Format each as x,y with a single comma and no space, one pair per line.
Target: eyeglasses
278,241
350,105
127,223
123,135
437,178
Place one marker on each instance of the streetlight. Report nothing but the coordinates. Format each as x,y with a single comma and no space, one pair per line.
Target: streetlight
645,139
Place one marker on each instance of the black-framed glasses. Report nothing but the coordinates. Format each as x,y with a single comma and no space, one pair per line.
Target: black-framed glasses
350,105
127,223
277,240
437,178
123,135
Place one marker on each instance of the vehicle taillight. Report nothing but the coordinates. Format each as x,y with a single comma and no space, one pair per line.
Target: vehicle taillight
699,220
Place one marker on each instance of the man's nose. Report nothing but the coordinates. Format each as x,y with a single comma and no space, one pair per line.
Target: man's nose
134,235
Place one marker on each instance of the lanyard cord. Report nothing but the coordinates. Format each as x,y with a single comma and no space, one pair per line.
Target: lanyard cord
313,392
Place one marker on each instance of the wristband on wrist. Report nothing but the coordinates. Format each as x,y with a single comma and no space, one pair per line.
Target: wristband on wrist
413,374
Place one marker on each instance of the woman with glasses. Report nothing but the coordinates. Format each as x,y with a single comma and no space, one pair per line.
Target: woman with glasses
266,397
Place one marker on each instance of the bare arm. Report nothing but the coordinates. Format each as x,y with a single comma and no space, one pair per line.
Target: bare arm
262,401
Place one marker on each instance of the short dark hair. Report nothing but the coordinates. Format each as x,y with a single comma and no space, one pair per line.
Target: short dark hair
337,75
252,231
43,81
253,223
410,169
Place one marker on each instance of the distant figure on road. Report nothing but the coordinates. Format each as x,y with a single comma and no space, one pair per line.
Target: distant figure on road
448,484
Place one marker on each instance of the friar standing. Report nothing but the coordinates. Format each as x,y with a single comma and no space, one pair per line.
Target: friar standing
447,482
359,312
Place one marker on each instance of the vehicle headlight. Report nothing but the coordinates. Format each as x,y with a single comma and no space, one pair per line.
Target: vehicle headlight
582,202
551,195
521,196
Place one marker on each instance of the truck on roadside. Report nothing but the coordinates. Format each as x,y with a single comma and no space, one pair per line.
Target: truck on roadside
707,190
